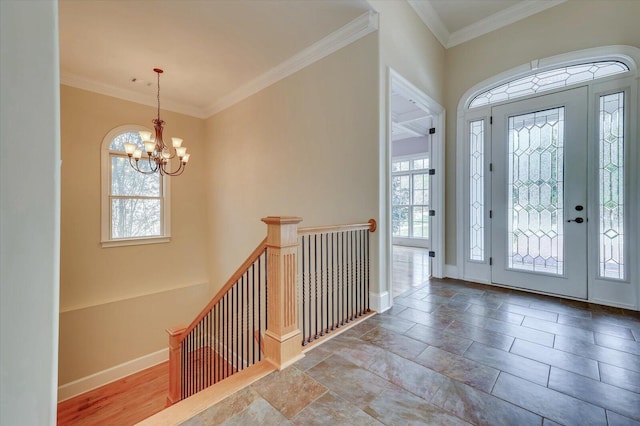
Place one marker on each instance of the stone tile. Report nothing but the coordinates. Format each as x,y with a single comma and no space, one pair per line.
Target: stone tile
392,322
490,338
396,343
418,304
524,333
351,382
547,422
599,353
331,409
505,316
517,365
459,368
589,324
636,335
444,292
478,301
624,345
229,407
562,307
441,339
558,329
394,310
529,312
480,408
425,318
289,390
408,375
617,317
399,407
620,377
461,316
437,300
577,364
548,403
258,413
313,357
361,328
604,395
355,350
616,419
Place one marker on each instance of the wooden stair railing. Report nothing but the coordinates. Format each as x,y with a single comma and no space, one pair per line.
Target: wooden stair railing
220,340
256,316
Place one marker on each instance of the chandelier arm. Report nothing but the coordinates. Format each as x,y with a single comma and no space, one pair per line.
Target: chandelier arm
176,172
137,168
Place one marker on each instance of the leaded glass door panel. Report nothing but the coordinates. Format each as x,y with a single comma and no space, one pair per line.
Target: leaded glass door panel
539,197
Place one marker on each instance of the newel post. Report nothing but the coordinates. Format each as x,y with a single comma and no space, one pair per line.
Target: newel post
282,339
175,355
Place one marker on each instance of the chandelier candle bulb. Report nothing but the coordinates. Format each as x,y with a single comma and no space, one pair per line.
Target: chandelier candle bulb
177,142
137,154
144,135
129,148
149,147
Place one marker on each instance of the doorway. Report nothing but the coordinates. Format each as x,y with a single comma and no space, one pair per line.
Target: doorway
415,185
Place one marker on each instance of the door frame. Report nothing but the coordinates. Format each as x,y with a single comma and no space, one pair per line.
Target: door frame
624,294
395,79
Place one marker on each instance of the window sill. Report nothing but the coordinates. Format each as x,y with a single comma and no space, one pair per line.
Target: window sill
135,241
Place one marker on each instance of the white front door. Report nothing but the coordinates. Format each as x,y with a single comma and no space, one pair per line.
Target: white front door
539,193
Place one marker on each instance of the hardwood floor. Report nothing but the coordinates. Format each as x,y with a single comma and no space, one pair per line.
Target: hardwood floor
123,402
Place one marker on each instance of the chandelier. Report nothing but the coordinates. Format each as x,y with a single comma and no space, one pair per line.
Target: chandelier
158,154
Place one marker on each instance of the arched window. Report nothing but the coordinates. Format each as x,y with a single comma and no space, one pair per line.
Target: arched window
135,206
548,80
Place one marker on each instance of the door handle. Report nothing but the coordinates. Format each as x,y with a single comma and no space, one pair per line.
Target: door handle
576,220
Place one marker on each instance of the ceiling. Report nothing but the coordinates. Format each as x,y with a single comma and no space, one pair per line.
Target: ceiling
218,52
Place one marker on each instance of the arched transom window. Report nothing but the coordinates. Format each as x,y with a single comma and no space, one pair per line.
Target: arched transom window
548,80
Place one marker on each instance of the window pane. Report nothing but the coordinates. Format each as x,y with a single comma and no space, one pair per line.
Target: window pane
548,80
125,180
421,189
135,217
400,222
476,190
420,222
400,166
117,144
535,195
611,175
400,190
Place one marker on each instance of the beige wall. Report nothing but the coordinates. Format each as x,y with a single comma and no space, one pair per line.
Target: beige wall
574,25
116,302
305,146
407,46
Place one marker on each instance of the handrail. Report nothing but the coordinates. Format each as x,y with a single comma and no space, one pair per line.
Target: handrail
371,225
230,283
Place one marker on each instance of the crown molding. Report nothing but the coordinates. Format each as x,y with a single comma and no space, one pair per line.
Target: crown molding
498,20
354,30
79,82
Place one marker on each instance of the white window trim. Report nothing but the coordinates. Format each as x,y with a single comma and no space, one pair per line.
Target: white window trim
105,216
630,56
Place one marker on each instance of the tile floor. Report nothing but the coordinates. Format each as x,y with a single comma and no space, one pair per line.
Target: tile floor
451,352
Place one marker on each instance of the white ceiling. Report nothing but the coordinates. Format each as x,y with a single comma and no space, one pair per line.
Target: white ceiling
217,52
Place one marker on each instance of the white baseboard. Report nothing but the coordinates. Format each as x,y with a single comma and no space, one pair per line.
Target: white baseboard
379,302
451,271
112,374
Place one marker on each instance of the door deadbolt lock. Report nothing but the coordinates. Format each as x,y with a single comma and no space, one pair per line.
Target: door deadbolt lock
576,220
